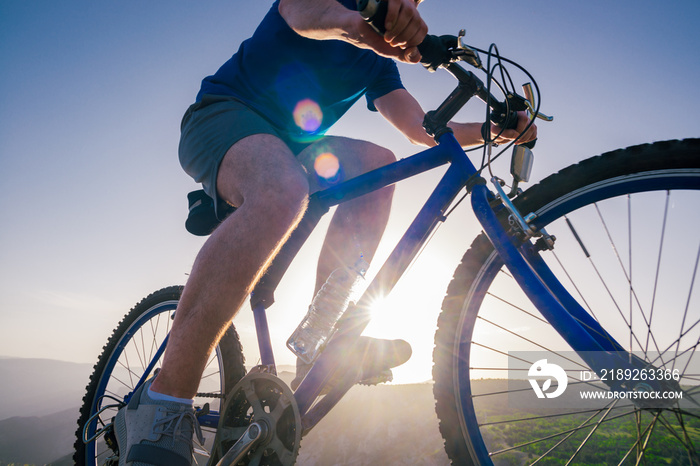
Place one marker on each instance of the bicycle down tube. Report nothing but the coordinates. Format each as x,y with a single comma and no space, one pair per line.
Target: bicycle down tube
582,337
542,288
262,296
356,318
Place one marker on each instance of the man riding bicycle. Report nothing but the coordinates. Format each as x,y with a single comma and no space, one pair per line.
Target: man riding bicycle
251,139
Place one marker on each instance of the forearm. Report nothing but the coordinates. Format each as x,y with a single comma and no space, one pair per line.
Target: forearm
320,19
403,111
467,134
328,19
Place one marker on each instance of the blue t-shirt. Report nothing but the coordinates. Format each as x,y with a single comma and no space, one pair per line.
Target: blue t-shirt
302,86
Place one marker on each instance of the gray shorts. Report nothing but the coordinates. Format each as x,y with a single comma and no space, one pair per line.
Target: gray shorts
210,127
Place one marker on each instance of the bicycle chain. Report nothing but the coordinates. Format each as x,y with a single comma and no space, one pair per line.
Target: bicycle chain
209,395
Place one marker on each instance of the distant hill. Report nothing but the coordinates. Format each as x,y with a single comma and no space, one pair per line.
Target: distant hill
37,387
37,440
387,424
384,424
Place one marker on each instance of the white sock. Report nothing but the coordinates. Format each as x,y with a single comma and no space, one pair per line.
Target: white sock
162,397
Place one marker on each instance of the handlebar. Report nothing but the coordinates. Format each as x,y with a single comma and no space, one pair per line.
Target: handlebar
445,51
435,50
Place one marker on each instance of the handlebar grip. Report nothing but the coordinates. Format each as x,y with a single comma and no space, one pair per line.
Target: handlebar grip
509,122
434,50
512,123
530,144
374,12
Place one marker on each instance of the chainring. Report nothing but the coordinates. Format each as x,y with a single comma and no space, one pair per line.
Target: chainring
260,397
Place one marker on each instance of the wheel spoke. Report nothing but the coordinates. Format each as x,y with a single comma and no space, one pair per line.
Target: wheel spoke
517,307
635,445
687,304
516,335
626,249
557,434
595,427
658,268
561,442
129,352
605,284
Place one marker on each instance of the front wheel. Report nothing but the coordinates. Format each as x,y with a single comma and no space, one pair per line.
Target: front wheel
627,249
129,351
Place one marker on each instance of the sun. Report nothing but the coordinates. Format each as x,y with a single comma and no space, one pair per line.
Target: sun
410,313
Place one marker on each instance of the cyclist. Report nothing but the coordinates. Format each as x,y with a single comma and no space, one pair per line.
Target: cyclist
251,139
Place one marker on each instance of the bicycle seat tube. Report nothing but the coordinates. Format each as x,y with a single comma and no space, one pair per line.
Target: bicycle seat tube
432,213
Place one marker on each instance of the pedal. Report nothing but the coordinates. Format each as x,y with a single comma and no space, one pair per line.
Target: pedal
382,377
203,411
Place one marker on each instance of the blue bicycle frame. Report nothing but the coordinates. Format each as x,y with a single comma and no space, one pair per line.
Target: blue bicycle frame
596,347
541,286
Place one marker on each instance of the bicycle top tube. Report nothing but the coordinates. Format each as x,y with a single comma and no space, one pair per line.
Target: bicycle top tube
446,151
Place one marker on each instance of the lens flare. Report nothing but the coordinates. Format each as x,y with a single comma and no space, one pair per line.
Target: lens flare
308,115
327,166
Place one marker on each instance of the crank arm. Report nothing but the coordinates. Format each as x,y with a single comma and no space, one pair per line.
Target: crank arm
255,432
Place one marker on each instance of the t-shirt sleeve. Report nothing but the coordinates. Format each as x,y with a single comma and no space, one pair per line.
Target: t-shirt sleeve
388,79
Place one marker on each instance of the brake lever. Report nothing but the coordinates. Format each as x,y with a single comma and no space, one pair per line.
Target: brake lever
465,53
530,103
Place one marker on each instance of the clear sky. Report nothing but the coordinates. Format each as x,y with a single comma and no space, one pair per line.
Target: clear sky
93,201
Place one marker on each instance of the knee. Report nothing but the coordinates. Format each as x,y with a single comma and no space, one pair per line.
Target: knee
380,157
286,201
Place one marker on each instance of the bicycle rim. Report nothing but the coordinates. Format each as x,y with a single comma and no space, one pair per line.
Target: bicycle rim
130,350
639,229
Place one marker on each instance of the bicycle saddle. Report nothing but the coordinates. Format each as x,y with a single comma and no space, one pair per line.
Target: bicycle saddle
203,218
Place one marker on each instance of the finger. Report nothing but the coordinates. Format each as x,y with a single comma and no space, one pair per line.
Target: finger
392,14
527,131
395,27
377,43
411,55
408,30
531,133
411,36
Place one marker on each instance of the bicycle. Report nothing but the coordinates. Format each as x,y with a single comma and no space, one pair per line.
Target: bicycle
513,278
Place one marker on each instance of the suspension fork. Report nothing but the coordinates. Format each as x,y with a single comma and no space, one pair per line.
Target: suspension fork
593,344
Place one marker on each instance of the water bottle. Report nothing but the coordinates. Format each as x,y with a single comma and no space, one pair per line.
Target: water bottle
326,308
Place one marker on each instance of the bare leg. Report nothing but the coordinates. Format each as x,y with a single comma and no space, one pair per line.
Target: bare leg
358,225
355,230
260,175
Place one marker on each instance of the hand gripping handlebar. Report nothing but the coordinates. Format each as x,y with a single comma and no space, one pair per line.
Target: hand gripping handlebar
435,51
445,51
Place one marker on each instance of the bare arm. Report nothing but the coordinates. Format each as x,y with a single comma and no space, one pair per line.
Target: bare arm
403,111
328,19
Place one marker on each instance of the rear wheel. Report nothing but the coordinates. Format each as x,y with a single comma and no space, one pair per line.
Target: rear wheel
128,352
633,268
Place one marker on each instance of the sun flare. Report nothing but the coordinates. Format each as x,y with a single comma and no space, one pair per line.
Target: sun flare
410,313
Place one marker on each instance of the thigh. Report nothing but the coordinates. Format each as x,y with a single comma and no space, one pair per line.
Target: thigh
260,166
334,159
209,129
